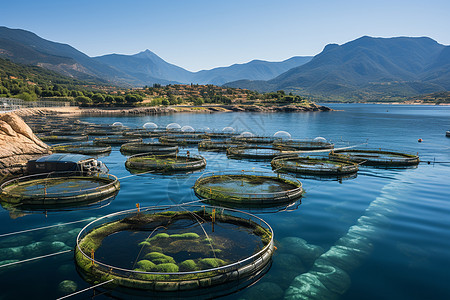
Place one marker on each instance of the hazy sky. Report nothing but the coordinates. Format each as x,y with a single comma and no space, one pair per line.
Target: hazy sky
202,34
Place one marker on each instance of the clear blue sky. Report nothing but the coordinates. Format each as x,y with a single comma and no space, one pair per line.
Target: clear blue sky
202,34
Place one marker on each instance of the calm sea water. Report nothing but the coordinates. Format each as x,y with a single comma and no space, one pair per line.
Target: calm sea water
401,252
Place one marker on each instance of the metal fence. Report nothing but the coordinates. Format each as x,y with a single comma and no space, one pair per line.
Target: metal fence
11,104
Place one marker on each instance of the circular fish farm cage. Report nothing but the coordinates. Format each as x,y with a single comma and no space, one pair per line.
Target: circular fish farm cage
257,152
181,139
149,148
248,187
68,132
314,166
116,140
208,145
219,135
165,163
63,138
81,148
58,189
103,132
377,157
41,130
254,139
163,249
143,133
306,144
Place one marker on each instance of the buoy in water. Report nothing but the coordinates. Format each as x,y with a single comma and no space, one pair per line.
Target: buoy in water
419,140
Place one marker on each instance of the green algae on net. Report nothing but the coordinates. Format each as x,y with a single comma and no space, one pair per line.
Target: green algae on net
165,163
209,145
149,148
81,148
249,187
61,138
385,158
116,140
181,140
258,152
165,250
314,166
58,188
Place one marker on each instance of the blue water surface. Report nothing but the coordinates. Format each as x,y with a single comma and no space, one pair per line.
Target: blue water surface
405,251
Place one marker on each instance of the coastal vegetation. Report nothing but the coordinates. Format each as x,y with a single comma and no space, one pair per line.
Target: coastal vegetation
433,98
31,83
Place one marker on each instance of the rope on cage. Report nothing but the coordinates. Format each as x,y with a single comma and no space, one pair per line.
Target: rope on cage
197,217
132,175
34,258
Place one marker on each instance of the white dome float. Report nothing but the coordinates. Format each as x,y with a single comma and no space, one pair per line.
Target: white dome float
173,127
283,135
150,126
187,128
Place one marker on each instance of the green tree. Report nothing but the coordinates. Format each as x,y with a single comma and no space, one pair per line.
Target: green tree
172,100
83,101
98,98
198,101
119,100
132,99
27,96
109,99
3,91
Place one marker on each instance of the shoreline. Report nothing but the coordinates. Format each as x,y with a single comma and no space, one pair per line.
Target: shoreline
75,110
389,103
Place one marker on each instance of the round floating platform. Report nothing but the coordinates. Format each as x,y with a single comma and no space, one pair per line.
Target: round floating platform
254,139
304,144
116,140
81,148
257,152
159,249
63,138
57,189
143,133
181,139
248,187
314,166
209,145
103,132
165,163
68,132
219,135
149,148
41,129
376,157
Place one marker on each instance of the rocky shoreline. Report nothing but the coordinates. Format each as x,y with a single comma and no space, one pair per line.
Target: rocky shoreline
169,110
18,144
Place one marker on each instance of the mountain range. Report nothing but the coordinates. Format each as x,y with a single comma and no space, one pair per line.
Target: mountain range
364,69
144,68
367,69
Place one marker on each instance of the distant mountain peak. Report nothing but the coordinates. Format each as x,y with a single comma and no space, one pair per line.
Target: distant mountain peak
147,54
367,68
330,47
142,68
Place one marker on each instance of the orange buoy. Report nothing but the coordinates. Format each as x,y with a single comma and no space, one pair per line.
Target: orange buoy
419,140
